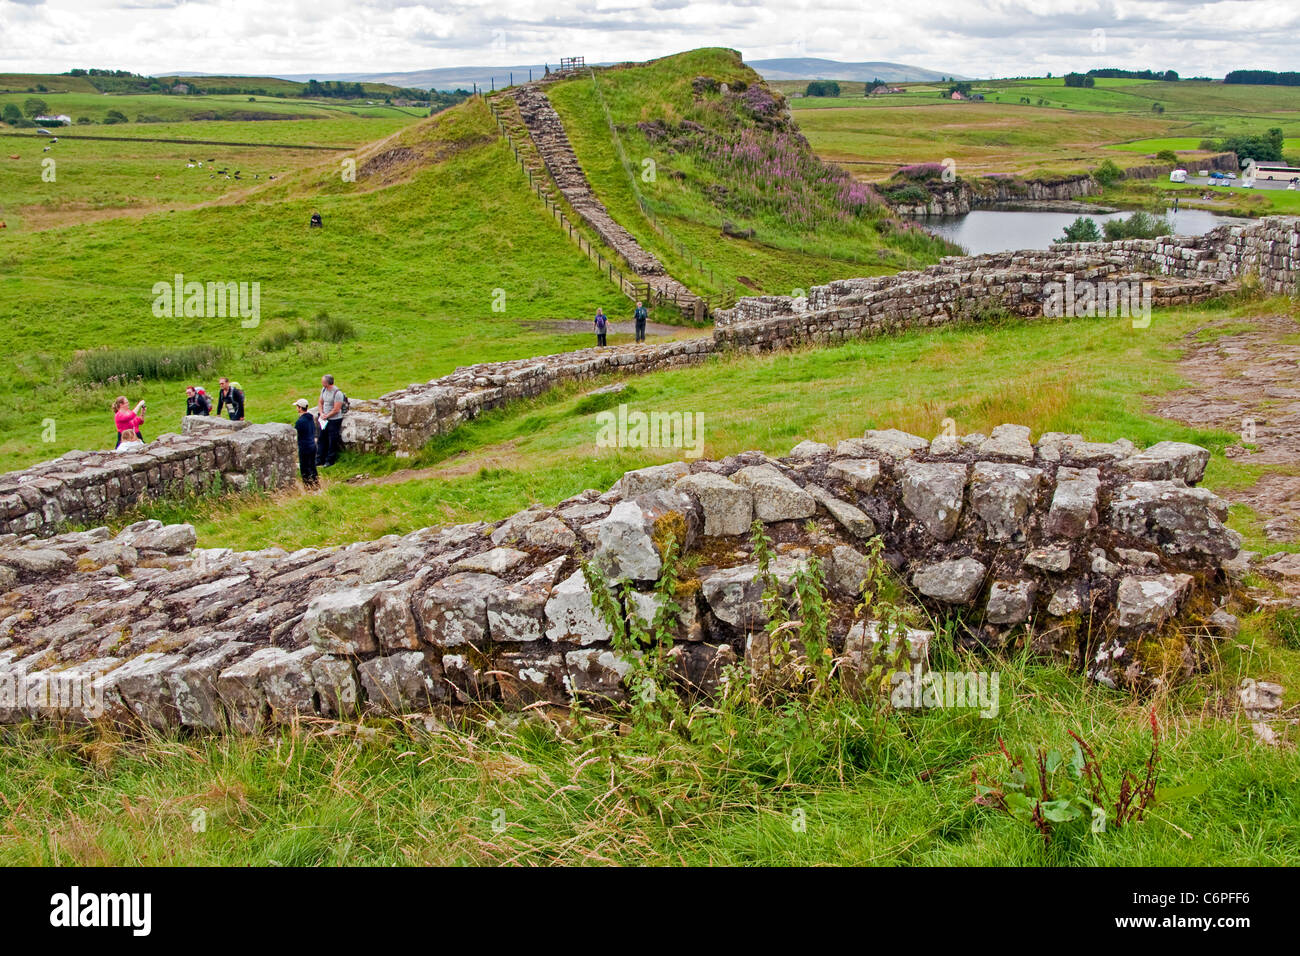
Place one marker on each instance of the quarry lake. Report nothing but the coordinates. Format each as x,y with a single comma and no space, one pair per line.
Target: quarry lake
997,230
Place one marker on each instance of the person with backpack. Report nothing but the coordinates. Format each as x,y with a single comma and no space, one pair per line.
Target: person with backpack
230,394
197,402
602,324
640,316
305,426
330,410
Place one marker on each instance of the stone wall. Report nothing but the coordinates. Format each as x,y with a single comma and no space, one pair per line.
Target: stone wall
210,456
1186,269
1182,269
1111,557
403,421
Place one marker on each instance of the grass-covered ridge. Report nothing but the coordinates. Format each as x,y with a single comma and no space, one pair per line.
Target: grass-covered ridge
412,256
699,156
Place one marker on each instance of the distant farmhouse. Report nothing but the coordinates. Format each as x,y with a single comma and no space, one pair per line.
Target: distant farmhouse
63,119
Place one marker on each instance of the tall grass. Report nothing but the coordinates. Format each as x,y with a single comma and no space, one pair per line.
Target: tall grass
109,366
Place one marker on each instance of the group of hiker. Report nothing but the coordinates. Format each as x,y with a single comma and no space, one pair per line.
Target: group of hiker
639,317
229,395
319,432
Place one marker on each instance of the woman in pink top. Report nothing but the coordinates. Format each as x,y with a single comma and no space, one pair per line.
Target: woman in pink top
128,419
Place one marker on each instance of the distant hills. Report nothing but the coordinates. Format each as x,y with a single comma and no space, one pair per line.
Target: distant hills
785,68
815,68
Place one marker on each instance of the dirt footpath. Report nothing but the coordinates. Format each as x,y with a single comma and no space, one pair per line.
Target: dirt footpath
1248,382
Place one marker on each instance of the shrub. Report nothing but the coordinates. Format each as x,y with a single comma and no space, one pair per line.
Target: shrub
12,114
1108,174
1140,225
115,116
323,328
1167,156
1083,229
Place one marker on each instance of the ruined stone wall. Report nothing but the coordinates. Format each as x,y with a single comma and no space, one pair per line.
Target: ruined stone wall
1182,269
81,487
1111,556
404,420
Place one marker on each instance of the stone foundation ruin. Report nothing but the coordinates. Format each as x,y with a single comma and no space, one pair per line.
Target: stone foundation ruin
1111,555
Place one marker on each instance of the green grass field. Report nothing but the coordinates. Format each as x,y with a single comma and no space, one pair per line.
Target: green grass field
1060,130
412,257
413,266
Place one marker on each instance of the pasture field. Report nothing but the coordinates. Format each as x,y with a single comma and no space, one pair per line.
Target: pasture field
413,268
1059,130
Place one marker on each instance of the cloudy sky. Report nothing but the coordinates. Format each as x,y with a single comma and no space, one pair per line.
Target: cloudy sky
969,37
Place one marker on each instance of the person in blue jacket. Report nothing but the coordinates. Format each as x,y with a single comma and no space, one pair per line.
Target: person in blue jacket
602,324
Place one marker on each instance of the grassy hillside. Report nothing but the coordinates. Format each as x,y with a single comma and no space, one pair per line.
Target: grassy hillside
413,267
1091,376
727,156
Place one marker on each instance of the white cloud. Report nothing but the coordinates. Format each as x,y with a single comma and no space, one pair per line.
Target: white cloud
974,38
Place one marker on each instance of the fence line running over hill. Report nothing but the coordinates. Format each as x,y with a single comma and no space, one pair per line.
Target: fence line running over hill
720,300
633,290
548,134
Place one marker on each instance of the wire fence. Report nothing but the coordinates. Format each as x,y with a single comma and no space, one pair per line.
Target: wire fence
717,300
634,290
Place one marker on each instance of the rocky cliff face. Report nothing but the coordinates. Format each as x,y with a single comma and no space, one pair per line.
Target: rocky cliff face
1110,555
963,195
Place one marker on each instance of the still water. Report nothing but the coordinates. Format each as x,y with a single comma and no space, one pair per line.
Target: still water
995,230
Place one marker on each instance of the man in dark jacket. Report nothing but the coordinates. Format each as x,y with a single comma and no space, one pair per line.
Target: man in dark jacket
231,394
640,315
602,323
305,426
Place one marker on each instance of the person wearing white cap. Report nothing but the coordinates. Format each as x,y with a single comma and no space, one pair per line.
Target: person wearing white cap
306,428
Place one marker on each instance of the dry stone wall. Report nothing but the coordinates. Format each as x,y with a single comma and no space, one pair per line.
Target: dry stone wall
82,486
1180,269
210,456
1110,554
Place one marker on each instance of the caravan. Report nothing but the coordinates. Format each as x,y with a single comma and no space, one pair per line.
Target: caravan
1178,176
